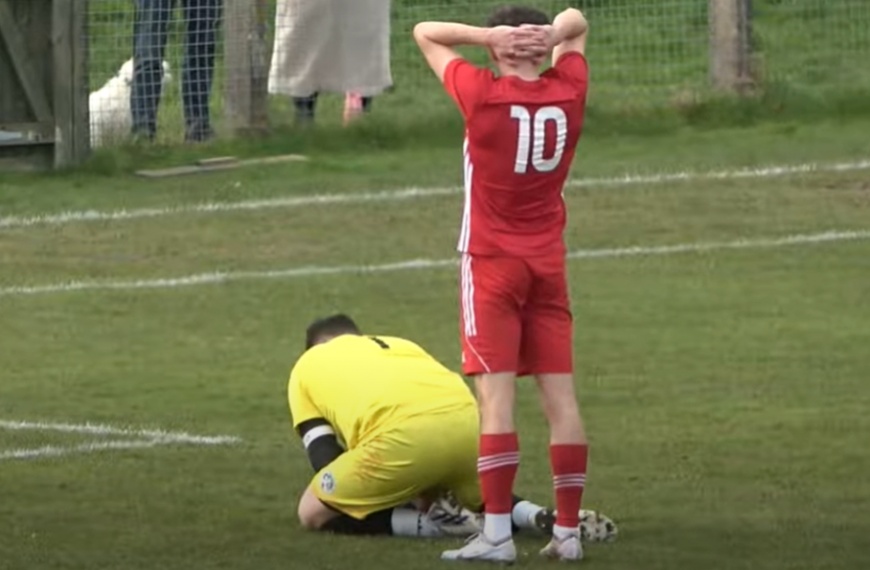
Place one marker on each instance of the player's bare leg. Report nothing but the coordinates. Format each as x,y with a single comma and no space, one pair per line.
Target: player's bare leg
497,467
569,452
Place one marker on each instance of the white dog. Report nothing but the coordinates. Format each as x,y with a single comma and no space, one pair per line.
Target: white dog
111,119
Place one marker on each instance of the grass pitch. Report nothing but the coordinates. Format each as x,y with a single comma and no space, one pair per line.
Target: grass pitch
725,391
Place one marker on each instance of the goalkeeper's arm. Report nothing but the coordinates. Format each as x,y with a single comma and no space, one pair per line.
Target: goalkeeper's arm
320,442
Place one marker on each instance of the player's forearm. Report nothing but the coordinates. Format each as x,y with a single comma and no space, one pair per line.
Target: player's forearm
450,34
569,24
320,442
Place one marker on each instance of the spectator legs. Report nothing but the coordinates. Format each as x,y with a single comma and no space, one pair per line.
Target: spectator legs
149,46
306,107
201,18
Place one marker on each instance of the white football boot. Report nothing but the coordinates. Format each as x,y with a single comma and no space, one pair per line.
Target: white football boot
595,527
566,548
478,548
453,519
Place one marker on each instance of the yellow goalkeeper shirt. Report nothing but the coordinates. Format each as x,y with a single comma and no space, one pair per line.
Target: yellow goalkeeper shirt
365,386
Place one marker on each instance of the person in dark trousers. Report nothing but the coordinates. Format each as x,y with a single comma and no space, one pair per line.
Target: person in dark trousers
201,21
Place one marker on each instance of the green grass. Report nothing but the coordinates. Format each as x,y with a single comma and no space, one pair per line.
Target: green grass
649,64
725,392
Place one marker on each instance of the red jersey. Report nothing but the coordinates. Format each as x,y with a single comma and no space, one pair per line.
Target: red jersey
520,139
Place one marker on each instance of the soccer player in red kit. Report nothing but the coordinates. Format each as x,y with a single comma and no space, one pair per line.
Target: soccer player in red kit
522,128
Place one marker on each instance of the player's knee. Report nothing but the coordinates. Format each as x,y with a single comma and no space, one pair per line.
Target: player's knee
495,395
561,409
557,393
564,407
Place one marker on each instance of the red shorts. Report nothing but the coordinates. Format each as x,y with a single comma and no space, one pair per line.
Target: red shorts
515,315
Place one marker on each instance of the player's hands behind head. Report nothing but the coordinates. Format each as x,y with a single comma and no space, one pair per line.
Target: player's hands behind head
543,35
525,42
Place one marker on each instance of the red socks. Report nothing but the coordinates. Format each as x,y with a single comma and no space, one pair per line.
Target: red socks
497,465
569,478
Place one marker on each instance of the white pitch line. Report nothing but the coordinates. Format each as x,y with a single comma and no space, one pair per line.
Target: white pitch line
91,447
409,194
59,451
761,172
161,436
417,264
745,243
215,207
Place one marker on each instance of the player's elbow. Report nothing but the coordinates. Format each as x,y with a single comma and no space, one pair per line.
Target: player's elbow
309,522
582,23
572,22
420,33
572,14
312,513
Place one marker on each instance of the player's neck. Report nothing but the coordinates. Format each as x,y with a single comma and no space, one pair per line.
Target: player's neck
526,72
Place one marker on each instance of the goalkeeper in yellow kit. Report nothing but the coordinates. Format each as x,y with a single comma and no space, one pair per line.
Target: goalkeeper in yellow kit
389,429
385,424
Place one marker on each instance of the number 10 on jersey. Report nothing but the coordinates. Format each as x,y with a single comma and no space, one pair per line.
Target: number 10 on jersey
531,136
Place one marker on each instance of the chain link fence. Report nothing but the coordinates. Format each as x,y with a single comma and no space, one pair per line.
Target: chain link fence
642,53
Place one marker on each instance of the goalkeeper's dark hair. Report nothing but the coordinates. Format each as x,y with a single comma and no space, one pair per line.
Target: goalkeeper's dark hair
516,16
329,327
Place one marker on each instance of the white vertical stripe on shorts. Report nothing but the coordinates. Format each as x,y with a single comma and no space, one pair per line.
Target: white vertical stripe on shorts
465,232
467,285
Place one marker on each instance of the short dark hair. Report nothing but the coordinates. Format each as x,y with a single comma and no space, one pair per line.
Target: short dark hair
331,326
516,16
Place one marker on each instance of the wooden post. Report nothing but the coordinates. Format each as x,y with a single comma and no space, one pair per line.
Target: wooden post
27,121
69,43
730,44
246,59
